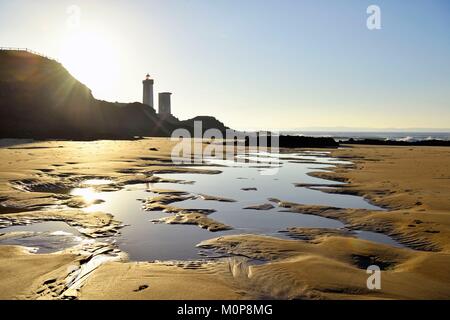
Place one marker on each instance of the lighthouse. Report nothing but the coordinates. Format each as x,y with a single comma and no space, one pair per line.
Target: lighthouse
147,97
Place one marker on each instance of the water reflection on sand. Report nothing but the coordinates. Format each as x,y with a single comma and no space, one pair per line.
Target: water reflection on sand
263,175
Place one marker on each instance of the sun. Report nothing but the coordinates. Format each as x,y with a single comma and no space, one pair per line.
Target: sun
92,58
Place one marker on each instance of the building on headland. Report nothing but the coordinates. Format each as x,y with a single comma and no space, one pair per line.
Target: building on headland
164,107
147,97
164,104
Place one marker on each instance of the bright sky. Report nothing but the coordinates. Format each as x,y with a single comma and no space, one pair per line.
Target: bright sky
254,64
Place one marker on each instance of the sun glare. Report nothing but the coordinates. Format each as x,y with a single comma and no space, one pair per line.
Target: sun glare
92,58
88,194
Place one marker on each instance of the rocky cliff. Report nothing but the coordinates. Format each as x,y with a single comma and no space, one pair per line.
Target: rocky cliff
40,99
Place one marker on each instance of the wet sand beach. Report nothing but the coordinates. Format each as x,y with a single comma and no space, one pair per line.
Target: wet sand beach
407,188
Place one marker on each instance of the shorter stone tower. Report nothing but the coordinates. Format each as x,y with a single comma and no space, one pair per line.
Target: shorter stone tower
164,103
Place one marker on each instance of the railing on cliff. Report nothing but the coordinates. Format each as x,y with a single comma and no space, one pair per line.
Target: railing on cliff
27,50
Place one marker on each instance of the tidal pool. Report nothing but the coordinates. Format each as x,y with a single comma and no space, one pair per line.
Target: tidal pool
43,237
272,175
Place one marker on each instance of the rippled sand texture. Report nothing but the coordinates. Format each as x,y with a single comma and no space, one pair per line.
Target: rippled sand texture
411,183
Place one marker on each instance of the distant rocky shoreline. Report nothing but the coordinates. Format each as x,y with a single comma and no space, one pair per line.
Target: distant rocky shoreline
295,141
379,142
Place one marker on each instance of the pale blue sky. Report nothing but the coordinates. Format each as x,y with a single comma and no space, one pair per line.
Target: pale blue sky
255,64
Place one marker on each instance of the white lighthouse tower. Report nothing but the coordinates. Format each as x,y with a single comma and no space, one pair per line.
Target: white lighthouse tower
147,97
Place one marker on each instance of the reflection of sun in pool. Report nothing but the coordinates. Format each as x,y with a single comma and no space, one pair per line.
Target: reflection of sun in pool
88,194
97,182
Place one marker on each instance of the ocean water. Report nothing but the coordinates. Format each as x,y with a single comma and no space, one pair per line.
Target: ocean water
397,136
